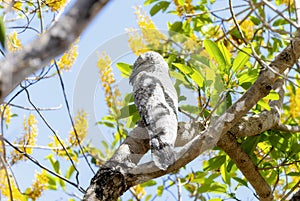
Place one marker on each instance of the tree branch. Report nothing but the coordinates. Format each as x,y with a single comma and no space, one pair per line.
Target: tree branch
129,174
16,67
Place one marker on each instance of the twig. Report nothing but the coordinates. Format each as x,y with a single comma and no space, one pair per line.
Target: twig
236,23
213,11
7,176
38,108
55,134
42,166
70,116
37,147
280,13
297,185
288,128
41,16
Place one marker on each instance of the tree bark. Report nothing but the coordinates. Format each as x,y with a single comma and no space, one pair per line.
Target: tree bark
16,67
133,174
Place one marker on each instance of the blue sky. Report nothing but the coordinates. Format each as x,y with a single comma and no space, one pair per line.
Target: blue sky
104,33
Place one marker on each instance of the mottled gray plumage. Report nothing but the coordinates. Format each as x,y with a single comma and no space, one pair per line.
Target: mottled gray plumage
156,100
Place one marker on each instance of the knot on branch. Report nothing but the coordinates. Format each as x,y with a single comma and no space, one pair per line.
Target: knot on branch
108,184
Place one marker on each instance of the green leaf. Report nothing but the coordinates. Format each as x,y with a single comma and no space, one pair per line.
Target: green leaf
70,171
128,111
264,104
56,167
51,182
225,53
190,109
250,144
55,163
272,96
224,173
2,33
147,2
107,124
125,69
229,165
279,22
62,184
214,52
215,199
176,27
148,197
294,174
247,76
181,2
149,183
255,20
215,162
180,77
132,120
184,68
241,59
160,190
192,73
105,145
241,181
162,5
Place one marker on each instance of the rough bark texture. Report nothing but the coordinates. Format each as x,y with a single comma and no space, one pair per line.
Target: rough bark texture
201,141
52,43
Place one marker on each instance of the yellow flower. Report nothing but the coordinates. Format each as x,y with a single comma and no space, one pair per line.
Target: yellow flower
6,191
248,29
107,79
287,2
14,44
136,42
69,57
39,185
16,6
150,33
139,191
187,7
81,126
7,113
55,5
28,138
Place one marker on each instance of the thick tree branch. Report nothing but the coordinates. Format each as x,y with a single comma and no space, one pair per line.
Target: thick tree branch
16,67
205,140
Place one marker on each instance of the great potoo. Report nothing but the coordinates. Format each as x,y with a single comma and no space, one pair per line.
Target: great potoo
156,100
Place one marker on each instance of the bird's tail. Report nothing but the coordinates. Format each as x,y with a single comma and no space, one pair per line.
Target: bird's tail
163,155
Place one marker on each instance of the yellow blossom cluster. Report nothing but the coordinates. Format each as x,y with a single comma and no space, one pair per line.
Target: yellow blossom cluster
149,37
136,42
139,191
81,127
28,139
185,8
55,5
107,80
7,113
58,146
14,44
68,58
287,2
6,191
248,29
17,5
39,185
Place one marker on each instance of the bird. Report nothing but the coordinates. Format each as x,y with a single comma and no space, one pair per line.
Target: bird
157,103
